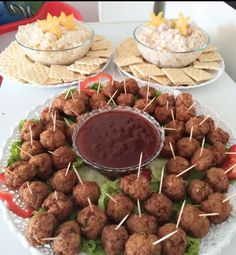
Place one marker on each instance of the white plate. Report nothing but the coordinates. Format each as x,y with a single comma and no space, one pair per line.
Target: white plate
218,237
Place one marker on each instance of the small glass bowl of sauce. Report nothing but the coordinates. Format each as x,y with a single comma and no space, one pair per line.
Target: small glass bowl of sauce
112,139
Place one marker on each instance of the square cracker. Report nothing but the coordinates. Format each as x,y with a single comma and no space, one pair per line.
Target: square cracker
101,45
177,76
53,81
98,38
206,65
88,61
83,69
135,73
128,60
197,74
147,70
60,72
210,47
100,53
210,57
163,80
77,77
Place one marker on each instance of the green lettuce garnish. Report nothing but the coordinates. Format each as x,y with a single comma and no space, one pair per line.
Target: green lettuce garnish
69,92
78,163
156,167
95,85
90,247
193,247
22,122
14,152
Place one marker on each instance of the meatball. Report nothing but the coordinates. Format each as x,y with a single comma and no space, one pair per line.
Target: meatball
142,103
145,224
116,211
159,206
113,241
199,131
142,244
218,180
74,107
58,102
192,223
163,98
178,129
163,114
219,155
40,226
137,188
48,114
59,205
184,99
176,244
97,101
110,90
18,173
186,147
173,187
214,204
91,222
81,96
62,182
62,156
126,99
88,189
204,161
33,193
131,86
43,165
70,132
51,139
217,135
33,149
166,150
36,128
177,165
143,92
68,239
184,113
199,190
60,125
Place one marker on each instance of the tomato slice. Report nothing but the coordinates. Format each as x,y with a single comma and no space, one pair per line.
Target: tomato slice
86,84
230,163
233,150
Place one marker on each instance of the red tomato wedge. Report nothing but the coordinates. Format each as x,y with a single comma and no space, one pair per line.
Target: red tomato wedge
86,84
227,165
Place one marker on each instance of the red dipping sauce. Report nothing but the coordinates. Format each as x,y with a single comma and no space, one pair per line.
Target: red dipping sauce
114,138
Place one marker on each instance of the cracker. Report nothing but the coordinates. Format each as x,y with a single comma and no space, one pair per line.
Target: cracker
135,73
14,51
163,80
206,65
177,76
123,52
100,53
60,72
83,69
101,45
52,81
210,48
88,61
147,70
129,60
129,45
77,77
127,69
210,57
197,74
98,38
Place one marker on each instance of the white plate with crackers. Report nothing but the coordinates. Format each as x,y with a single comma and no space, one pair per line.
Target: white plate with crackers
15,65
205,70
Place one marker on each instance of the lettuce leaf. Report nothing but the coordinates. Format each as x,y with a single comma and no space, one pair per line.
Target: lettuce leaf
14,152
22,122
193,247
90,247
78,163
156,167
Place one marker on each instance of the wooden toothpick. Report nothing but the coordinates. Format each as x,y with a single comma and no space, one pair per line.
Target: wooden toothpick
148,104
122,221
180,214
161,181
230,168
112,198
186,170
203,142
172,150
139,208
229,197
77,174
25,152
67,169
30,190
204,120
140,164
208,214
191,106
165,237
90,204
111,98
191,134
31,135
148,85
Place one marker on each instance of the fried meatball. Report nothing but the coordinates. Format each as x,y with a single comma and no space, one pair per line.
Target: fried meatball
81,193
159,206
174,245
131,86
142,103
97,101
68,239
43,165
81,96
199,131
116,211
214,204
163,114
177,165
62,156
113,241
40,226
186,148
173,187
145,224
62,182
126,99
143,92
192,223
217,135
137,188
110,90
163,98
70,132
36,128
91,222
33,193
74,107
166,150
178,129
60,125
218,180
142,244
51,139
18,173
184,99
58,102
33,149
59,205
184,113
204,161
199,190
219,155
48,114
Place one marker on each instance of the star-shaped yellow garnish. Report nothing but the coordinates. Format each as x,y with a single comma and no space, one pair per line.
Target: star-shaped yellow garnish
182,23
156,20
67,21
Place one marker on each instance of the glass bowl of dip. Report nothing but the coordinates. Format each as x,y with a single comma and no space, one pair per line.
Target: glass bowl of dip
67,52
112,139
163,57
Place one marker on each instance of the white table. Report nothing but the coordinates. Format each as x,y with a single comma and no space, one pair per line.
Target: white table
16,101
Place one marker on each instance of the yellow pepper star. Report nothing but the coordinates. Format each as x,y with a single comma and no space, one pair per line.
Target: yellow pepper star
67,21
182,23
156,20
